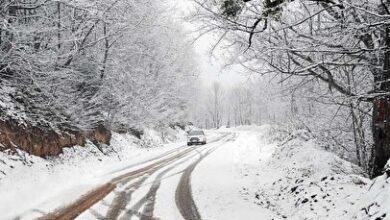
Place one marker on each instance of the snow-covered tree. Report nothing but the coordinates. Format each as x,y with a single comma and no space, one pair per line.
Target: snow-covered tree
335,52
83,63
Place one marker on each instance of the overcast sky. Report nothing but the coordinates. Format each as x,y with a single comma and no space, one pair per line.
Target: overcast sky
211,67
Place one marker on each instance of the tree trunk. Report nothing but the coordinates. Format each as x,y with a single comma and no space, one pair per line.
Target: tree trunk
381,116
106,49
59,26
1,38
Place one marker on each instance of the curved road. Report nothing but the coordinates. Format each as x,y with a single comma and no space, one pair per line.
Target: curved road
124,205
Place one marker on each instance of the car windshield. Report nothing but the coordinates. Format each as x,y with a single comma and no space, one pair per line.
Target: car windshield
196,133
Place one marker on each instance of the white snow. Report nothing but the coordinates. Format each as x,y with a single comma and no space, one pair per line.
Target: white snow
375,204
259,177
255,173
302,181
218,180
48,184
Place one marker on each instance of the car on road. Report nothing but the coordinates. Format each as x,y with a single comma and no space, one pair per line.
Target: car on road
196,137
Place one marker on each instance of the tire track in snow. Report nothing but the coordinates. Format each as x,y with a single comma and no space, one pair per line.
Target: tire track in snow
161,163
82,204
85,202
170,152
123,198
149,199
183,197
147,212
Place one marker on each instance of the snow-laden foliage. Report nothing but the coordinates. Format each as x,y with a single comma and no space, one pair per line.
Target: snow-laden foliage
342,125
330,56
80,63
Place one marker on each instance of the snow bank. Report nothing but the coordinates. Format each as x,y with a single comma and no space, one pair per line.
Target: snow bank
154,137
375,204
13,159
289,175
302,181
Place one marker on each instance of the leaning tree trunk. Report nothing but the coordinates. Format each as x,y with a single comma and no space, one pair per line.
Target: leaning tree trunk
381,115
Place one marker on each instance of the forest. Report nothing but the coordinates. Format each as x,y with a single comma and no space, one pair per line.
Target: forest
121,109
76,69
324,66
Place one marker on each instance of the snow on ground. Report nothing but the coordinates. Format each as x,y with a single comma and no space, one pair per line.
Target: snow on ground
262,173
218,179
101,208
375,204
302,181
47,184
168,188
260,177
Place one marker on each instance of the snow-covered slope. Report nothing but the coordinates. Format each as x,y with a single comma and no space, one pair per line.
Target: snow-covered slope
375,204
302,181
269,174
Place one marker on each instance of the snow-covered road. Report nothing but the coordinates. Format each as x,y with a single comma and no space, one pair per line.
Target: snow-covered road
184,182
137,193
240,174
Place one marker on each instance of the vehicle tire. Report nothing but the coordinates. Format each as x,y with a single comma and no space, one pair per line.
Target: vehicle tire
189,144
204,143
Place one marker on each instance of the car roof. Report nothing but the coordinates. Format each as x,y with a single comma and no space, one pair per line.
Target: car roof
197,130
